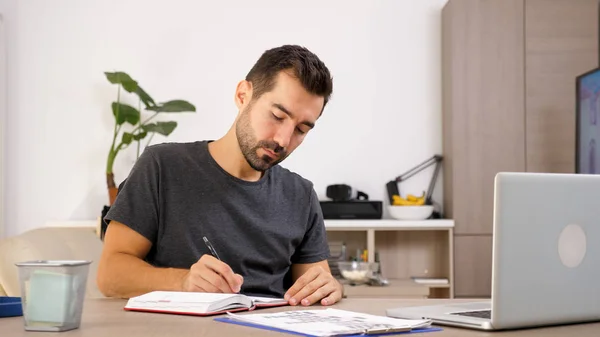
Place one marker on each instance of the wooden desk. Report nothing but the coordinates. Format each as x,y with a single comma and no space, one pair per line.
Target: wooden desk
106,318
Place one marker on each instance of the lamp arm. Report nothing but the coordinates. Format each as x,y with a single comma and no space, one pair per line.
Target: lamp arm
433,180
419,168
392,185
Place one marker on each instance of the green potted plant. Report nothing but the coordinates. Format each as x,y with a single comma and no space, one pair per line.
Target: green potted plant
130,128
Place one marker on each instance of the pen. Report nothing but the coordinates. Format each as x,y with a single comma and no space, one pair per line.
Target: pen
211,248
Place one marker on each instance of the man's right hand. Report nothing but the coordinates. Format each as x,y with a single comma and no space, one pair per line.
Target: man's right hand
211,275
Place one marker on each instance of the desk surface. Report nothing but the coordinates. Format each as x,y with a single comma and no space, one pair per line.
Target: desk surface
106,317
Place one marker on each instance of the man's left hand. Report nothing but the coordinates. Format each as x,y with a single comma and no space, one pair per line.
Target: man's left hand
314,285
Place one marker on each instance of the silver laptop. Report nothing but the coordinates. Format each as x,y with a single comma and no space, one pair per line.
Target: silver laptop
546,256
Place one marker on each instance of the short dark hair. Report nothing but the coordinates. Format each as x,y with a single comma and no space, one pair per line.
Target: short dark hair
306,66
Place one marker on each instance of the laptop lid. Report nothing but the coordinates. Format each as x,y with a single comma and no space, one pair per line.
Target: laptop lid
546,249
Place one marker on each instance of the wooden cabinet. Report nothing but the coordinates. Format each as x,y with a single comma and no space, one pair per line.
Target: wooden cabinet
474,272
561,41
508,91
483,105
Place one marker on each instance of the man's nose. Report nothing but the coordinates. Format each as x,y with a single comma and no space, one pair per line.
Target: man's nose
284,135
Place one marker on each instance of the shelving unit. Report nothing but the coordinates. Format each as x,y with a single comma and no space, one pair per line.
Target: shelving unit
406,249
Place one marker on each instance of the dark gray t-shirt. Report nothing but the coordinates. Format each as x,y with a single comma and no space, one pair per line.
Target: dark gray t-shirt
176,193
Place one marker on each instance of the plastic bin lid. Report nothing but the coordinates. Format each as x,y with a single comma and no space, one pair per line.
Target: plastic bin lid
54,263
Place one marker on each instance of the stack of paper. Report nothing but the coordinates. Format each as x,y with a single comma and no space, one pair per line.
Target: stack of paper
326,322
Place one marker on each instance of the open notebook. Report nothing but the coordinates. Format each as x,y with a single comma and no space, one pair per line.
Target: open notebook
329,322
199,304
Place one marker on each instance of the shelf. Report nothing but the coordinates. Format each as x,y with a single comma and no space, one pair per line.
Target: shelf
388,224
406,248
398,288
432,285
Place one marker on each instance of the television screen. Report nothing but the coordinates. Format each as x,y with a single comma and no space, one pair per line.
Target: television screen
588,123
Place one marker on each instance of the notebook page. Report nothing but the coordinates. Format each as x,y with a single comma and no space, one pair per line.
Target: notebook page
177,301
330,322
182,297
260,299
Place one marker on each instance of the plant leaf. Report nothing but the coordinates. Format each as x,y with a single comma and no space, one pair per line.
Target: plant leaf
146,99
127,138
140,135
127,113
174,106
164,128
123,79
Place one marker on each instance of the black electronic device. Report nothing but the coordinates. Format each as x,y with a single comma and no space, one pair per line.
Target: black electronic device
352,209
344,206
339,192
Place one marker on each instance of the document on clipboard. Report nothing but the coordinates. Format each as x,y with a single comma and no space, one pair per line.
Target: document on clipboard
328,322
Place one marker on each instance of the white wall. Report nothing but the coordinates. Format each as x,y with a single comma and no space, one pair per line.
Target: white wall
384,117
3,99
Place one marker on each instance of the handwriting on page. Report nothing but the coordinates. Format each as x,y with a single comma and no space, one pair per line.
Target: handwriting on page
351,322
328,322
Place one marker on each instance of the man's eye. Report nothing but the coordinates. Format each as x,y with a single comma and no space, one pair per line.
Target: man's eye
300,131
277,118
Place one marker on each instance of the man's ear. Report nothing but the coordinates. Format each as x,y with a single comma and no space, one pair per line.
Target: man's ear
243,94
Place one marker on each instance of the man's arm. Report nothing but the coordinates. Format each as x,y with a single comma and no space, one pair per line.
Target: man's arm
313,282
300,269
134,226
122,271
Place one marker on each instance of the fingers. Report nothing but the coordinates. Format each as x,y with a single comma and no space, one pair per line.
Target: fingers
240,279
198,284
212,275
302,281
333,298
233,282
217,282
311,290
315,285
323,292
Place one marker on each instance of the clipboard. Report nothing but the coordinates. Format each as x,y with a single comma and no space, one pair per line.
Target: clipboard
264,327
10,306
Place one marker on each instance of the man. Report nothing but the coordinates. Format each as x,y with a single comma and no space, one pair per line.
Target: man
264,222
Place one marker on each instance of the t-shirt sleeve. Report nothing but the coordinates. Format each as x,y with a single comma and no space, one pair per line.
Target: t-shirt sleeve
136,205
314,246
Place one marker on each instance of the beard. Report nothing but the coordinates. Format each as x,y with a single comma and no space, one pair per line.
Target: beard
250,146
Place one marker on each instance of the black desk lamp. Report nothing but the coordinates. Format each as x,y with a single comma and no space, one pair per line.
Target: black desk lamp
392,186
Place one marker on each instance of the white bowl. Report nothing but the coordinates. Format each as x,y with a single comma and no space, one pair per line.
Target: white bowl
357,272
420,212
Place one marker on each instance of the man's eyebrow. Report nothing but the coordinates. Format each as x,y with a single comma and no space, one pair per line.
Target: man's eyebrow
289,113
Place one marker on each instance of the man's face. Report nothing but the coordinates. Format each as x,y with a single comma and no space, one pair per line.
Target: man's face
271,127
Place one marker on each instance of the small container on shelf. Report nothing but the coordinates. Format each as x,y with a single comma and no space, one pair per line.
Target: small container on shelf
357,272
418,212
